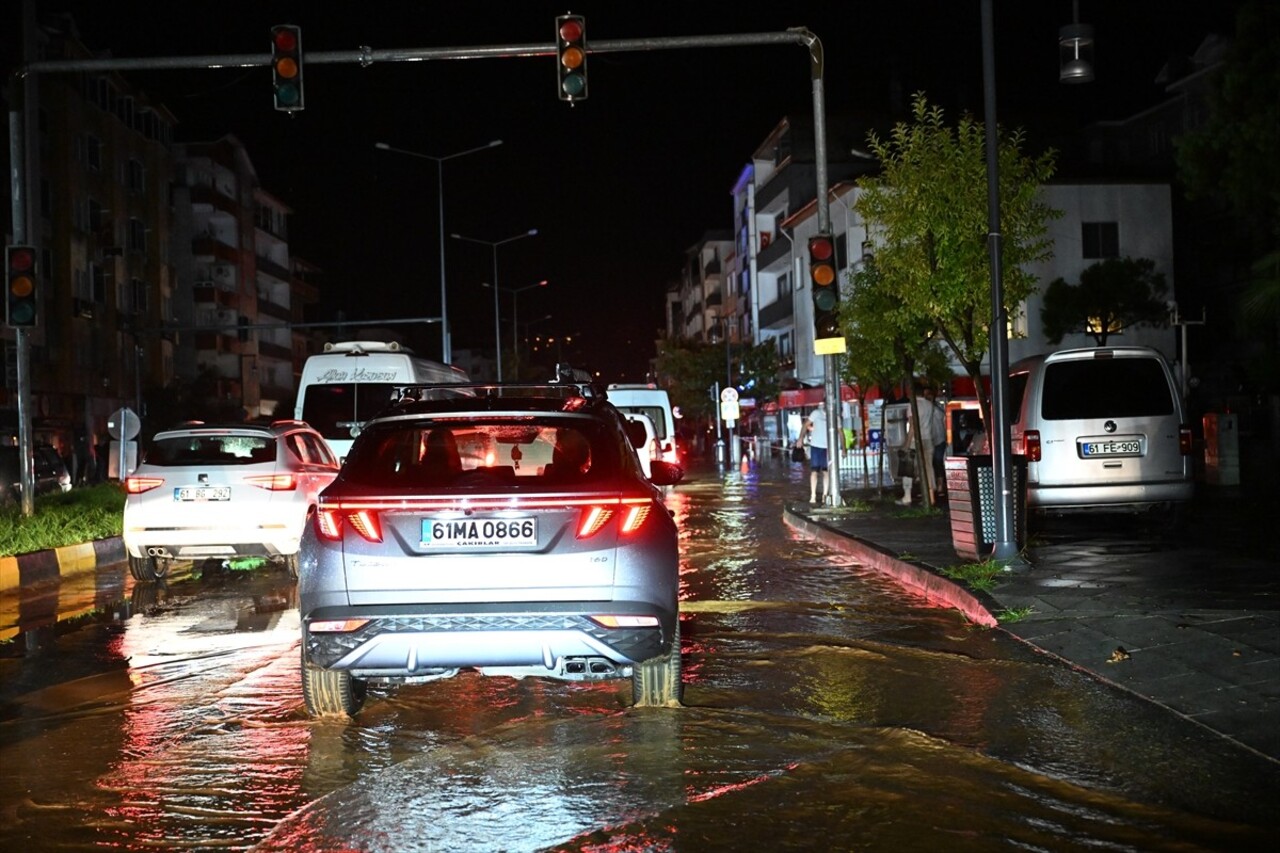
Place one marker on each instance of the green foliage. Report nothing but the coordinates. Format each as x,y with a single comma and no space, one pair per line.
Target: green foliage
928,210
977,576
1011,615
70,518
1114,294
689,369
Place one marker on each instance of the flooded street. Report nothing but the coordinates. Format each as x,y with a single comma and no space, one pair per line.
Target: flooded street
824,710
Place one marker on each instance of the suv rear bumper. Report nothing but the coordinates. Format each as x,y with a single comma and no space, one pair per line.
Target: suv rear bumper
537,639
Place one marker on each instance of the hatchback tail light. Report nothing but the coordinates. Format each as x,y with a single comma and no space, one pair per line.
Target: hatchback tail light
138,485
1184,440
1031,445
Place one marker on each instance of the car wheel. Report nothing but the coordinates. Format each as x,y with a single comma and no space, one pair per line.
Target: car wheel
148,568
330,692
656,682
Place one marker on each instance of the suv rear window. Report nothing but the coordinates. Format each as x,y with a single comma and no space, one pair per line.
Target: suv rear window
177,450
458,452
1105,388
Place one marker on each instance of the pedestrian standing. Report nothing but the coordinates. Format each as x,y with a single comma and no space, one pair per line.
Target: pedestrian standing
816,430
928,416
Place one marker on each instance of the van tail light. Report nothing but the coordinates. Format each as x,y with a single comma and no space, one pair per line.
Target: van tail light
138,485
273,482
1184,440
1031,445
329,523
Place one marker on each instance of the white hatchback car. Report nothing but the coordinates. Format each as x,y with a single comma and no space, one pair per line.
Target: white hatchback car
216,492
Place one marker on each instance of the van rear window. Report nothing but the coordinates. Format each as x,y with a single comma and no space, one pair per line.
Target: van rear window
1105,388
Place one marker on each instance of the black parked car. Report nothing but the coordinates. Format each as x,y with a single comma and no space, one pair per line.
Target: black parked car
50,473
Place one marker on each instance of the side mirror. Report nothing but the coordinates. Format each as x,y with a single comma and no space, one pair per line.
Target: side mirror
665,473
636,434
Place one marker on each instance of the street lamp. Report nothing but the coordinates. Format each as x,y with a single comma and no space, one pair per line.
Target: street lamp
515,329
446,346
493,245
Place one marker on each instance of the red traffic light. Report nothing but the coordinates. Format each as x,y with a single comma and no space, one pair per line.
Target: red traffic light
571,57
286,67
20,298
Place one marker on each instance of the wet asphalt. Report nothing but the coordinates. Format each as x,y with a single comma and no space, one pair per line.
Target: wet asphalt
1184,613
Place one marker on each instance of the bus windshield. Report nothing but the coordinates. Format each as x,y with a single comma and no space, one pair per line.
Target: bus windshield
333,410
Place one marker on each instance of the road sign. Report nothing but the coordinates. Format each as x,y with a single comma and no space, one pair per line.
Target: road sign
126,422
729,395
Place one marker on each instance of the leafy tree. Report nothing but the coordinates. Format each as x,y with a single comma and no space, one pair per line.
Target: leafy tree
690,368
879,355
928,207
1113,295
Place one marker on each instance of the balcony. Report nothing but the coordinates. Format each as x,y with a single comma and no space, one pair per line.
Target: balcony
269,267
274,310
778,249
777,313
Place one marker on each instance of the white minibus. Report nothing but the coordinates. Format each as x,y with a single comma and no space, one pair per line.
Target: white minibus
654,402
347,384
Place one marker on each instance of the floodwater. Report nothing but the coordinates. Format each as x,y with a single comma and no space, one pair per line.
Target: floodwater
824,710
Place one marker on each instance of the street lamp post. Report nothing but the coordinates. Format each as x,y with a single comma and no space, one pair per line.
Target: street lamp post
515,327
446,343
497,319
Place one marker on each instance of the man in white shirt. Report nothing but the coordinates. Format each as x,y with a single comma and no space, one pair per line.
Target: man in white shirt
816,431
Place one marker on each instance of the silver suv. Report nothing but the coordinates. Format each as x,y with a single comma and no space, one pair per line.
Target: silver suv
506,529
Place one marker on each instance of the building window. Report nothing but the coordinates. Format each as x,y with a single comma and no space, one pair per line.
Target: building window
137,296
93,153
97,284
137,236
1100,239
784,284
136,176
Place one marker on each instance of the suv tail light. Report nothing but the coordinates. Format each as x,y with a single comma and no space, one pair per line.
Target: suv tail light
1184,440
631,516
273,482
1031,445
138,485
364,521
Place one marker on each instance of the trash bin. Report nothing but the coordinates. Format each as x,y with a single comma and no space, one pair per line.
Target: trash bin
971,504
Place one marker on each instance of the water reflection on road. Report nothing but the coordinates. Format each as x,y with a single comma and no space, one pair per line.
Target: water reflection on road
825,710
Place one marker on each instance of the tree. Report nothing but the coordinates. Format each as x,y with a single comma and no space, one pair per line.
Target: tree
879,354
928,209
1113,295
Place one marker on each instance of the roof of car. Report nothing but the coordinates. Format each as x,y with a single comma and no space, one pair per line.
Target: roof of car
273,428
477,397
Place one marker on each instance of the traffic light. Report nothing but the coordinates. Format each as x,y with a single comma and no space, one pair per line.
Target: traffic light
286,67
825,287
20,303
571,57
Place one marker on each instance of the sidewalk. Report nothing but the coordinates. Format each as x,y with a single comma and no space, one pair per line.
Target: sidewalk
1188,618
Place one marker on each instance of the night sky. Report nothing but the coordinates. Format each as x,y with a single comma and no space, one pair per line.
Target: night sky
619,185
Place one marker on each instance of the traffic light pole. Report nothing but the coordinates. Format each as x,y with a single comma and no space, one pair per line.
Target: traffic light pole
365,56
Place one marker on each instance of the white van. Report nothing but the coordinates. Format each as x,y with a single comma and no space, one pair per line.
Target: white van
644,439
654,402
350,382
1102,429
